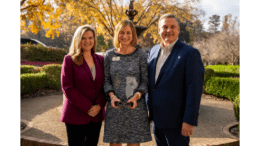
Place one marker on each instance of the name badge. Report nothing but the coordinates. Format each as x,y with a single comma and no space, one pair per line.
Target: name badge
115,58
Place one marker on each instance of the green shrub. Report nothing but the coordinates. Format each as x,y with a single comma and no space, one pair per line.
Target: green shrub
41,53
208,74
224,87
25,51
27,69
32,82
53,72
226,74
228,68
236,107
35,78
225,70
38,69
30,69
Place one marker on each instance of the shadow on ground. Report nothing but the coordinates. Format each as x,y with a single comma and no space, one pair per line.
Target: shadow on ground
38,105
41,111
212,121
38,134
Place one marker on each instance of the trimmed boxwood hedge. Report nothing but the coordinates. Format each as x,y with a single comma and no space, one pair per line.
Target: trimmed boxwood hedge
208,74
219,86
53,72
226,74
224,87
32,82
27,69
225,70
37,78
236,107
42,54
30,69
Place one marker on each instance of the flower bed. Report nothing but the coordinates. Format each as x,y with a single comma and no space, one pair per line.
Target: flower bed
37,63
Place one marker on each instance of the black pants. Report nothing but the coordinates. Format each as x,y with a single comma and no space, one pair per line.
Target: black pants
83,135
170,137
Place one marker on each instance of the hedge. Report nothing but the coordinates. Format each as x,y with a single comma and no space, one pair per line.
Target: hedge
53,72
32,82
208,74
37,78
30,69
43,54
219,86
27,69
226,74
225,70
224,87
236,107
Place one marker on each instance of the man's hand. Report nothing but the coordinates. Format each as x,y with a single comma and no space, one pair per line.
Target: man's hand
94,110
187,129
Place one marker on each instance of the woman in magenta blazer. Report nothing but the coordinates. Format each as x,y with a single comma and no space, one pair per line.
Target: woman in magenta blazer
82,79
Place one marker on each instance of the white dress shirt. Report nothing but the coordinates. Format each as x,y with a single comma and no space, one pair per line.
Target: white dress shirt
165,52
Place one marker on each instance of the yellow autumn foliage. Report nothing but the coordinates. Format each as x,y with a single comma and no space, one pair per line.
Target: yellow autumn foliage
67,15
38,14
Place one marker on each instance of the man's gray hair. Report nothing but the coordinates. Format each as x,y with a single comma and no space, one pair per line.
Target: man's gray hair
168,16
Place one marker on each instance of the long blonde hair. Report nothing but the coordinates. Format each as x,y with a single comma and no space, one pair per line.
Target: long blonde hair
75,51
119,27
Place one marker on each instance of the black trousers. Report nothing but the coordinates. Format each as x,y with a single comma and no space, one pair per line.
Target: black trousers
170,137
83,135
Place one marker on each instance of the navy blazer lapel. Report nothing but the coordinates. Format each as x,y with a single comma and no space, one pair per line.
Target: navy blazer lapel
86,67
155,55
168,60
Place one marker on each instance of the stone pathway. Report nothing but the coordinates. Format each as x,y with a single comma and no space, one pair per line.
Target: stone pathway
43,114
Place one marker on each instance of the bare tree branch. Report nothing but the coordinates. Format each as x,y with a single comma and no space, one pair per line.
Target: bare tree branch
22,2
145,10
116,10
22,9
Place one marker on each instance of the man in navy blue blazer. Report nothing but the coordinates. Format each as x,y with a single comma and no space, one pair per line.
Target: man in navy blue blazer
176,75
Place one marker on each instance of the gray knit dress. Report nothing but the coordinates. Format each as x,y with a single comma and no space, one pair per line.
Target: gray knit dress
125,75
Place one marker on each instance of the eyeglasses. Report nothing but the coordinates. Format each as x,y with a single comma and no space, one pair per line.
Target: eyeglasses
120,104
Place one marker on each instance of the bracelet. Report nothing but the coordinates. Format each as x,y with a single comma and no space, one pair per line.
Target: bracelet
139,95
112,96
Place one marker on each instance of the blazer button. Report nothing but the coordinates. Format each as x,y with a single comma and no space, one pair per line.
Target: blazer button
93,90
153,89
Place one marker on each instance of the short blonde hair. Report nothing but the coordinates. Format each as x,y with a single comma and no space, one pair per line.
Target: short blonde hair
119,27
75,51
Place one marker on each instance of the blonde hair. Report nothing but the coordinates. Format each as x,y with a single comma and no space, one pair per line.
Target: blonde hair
75,51
119,27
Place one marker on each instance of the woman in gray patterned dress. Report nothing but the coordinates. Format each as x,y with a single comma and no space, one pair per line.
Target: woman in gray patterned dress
126,80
